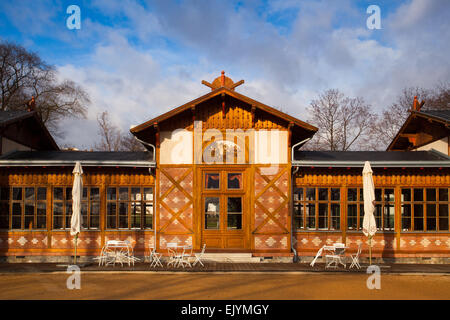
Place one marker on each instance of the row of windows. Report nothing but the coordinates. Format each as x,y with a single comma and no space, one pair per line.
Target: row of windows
25,208
422,209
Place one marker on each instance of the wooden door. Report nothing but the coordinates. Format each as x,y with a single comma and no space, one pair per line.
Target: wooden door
224,209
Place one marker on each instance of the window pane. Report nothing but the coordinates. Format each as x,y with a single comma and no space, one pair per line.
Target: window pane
136,194
135,215
4,193
389,216
212,181
29,208
310,216
234,181
29,194
335,194
212,213
335,216
95,208
84,194
418,194
95,222
123,193
148,218
57,208
406,195
95,194
17,208
17,193
406,217
443,217
111,222
29,222
298,194
234,210
42,193
352,217
58,222
123,208
41,209
16,222
352,194
310,194
418,217
323,194
431,194
298,216
123,222
111,194
377,215
148,194
443,194
377,194
111,208
389,195
68,193
323,216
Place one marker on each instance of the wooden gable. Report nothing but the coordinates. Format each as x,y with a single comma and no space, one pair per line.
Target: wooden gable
223,108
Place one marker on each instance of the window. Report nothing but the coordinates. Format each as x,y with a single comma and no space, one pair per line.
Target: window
129,208
317,208
234,213
212,213
90,208
355,208
384,209
23,208
234,181
425,209
212,181
62,207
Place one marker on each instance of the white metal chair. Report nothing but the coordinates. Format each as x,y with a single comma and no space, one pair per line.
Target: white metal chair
185,256
155,258
198,256
336,258
172,251
355,258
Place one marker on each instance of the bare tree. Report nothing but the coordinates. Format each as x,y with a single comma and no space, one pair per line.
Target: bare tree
344,123
23,74
112,139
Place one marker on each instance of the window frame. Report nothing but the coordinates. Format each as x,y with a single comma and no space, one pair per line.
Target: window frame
129,205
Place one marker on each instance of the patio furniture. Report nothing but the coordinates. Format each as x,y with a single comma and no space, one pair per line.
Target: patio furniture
172,248
155,258
198,256
355,258
337,257
116,251
186,256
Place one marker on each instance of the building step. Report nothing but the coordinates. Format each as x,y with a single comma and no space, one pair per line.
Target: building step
231,257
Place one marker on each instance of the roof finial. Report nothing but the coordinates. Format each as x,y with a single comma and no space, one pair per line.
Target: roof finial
222,79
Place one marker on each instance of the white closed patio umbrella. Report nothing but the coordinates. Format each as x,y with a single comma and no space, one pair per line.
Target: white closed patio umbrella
77,192
369,223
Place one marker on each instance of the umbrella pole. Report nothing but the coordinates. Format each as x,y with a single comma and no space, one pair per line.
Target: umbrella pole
76,242
370,250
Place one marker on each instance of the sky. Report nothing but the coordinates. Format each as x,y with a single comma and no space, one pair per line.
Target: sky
138,59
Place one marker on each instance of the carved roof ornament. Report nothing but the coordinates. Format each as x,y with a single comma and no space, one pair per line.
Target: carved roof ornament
222,82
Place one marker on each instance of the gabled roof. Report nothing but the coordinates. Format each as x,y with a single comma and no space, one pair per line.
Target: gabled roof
231,93
11,117
377,159
87,158
440,117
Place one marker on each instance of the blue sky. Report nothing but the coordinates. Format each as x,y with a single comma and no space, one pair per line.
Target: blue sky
138,59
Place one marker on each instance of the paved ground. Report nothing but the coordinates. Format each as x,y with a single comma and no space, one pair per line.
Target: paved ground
228,267
228,286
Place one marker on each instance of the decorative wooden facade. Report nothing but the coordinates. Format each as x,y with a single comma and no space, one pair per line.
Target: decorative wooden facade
220,171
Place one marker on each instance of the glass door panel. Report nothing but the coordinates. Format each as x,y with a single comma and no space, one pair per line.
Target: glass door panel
234,213
212,213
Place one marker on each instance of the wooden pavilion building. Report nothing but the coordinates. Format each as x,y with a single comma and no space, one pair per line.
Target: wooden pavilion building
226,171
